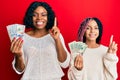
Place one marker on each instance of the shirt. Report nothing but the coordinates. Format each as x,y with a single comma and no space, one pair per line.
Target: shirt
40,58
97,65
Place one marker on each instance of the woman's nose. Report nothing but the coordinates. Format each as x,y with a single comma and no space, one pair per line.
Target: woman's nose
39,17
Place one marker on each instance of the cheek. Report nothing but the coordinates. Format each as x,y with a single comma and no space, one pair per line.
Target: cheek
98,32
46,19
33,19
87,32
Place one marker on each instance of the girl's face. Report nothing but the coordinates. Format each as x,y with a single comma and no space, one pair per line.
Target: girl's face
40,18
92,31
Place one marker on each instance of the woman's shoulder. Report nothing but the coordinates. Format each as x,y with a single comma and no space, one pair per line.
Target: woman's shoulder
27,35
29,32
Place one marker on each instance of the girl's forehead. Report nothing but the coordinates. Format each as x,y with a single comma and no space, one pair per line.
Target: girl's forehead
91,22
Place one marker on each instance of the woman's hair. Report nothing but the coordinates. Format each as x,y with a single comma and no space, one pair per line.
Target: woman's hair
28,19
82,29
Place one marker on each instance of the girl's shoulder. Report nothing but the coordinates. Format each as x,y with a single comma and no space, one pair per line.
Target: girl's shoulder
103,47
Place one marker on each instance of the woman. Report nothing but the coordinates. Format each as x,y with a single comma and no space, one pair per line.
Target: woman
42,52
98,62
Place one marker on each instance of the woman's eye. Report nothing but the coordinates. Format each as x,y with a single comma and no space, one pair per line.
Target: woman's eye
44,14
35,15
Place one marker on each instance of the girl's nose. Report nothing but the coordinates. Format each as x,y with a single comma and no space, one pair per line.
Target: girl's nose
92,30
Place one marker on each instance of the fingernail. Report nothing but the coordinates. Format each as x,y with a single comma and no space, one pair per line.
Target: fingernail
14,38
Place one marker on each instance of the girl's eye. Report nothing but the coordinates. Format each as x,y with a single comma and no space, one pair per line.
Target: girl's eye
87,28
96,27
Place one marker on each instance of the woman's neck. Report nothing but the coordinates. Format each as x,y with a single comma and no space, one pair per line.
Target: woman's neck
38,33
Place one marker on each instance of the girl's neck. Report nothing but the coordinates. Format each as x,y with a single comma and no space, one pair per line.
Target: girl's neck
92,44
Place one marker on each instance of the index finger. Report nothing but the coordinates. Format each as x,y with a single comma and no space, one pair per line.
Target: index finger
55,22
111,39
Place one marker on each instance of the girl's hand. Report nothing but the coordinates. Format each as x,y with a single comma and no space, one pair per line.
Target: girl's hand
112,46
55,30
78,63
16,46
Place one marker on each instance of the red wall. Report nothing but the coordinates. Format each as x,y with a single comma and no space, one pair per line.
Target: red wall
69,14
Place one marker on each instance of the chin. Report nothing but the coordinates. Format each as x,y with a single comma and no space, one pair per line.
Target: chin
93,39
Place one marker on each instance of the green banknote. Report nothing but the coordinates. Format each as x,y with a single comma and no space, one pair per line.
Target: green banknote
76,48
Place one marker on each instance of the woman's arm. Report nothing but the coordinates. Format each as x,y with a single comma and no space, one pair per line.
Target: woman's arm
62,52
16,49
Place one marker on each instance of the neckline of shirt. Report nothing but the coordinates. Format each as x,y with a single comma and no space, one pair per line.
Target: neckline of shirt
35,37
95,48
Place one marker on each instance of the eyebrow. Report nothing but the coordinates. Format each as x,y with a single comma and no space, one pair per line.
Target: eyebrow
41,12
94,26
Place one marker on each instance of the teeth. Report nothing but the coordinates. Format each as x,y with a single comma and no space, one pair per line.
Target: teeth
92,35
39,23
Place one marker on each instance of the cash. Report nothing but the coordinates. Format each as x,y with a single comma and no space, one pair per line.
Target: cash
76,48
15,30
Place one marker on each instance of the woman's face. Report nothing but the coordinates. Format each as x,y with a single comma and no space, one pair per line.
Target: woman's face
40,18
92,31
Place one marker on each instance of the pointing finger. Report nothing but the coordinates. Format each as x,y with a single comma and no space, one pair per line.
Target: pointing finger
111,39
55,22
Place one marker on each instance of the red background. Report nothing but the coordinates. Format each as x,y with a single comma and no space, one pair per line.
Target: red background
69,15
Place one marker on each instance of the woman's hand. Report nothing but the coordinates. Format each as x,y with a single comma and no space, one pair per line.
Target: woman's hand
16,46
78,62
55,30
112,46
16,49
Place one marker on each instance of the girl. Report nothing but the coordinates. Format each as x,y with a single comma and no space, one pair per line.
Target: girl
98,61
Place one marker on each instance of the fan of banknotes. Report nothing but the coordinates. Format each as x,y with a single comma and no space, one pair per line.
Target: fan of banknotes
77,47
15,30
